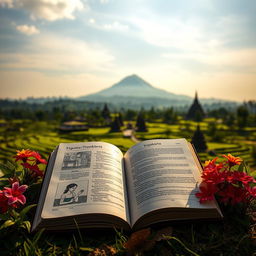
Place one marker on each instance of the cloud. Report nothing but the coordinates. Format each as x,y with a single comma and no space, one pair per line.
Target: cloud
50,10
8,3
243,60
112,26
62,54
168,33
115,26
28,30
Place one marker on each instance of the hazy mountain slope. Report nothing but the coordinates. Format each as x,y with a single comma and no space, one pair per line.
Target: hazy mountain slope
134,92
134,86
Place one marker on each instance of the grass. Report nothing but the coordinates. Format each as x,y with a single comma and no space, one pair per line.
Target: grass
228,237
44,137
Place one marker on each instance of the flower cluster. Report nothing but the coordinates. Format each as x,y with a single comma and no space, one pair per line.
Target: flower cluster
12,197
230,184
31,160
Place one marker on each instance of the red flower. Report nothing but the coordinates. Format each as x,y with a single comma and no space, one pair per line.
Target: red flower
242,177
231,186
39,159
210,163
15,194
3,202
207,191
33,168
23,155
213,175
252,191
30,160
232,160
233,194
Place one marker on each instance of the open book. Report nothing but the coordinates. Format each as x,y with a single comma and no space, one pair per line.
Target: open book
92,184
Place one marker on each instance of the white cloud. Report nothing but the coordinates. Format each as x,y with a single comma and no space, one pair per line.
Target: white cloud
104,1
168,33
243,59
59,54
91,21
8,3
113,26
48,9
28,30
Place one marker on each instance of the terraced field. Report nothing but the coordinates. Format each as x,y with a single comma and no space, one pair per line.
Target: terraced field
44,137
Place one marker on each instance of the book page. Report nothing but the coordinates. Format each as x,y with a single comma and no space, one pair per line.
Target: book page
161,174
87,178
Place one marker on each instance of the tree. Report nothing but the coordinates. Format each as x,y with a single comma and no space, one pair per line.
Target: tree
229,120
105,112
242,116
140,123
198,140
95,118
169,116
120,118
115,125
151,114
130,114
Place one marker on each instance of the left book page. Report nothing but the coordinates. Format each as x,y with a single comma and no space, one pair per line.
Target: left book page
87,178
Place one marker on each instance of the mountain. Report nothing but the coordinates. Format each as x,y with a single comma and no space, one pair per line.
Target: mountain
136,92
134,86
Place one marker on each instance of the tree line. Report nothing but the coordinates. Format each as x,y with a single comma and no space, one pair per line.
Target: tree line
95,113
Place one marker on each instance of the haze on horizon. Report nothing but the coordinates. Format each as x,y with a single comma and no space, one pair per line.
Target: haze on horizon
78,47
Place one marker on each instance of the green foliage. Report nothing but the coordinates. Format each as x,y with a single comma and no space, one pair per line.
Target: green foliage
230,237
242,116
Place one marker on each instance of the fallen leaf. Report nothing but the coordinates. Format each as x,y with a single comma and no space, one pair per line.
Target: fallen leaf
136,242
144,240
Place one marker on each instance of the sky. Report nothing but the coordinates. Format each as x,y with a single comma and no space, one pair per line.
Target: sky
78,47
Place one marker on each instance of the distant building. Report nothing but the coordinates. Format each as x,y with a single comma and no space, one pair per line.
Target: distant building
72,126
195,111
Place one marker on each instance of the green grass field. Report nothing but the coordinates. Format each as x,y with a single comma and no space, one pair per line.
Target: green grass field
228,237
44,137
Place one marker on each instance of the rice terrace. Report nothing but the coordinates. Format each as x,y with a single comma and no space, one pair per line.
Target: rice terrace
213,135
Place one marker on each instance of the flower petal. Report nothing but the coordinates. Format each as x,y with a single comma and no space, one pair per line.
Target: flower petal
12,200
22,188
22,199
7,192
15,185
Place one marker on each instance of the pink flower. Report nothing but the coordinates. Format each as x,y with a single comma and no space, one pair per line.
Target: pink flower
15,194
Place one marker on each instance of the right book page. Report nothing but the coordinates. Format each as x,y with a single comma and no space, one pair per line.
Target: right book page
162,173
